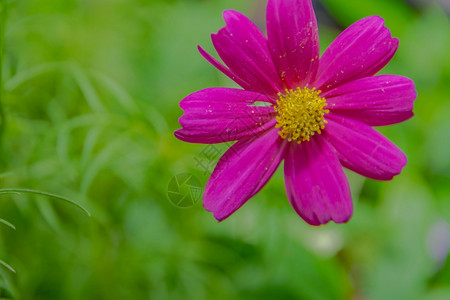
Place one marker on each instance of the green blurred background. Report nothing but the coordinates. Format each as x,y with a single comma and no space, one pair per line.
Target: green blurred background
89,105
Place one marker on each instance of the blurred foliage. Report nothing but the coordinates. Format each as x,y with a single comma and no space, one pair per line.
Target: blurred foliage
90,102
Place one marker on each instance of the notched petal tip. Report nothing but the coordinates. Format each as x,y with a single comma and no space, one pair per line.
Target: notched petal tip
212,207
376,17
403,159
316,184
317,222
326,217
243,49
184,136
179,134
394,43
230,14
219,217
402,162
215,35
364,150
361,50
376,101
184,103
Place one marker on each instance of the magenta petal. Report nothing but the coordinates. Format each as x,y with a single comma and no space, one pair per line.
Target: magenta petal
243,48
364,150
293,40
376,101
223,69
218,115
241,172
316,184
360,51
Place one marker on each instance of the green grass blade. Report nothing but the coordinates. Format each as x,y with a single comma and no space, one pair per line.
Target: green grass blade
50,195
7,223
7,266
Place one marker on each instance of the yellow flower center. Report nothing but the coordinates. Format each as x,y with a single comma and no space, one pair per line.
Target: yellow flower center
300,114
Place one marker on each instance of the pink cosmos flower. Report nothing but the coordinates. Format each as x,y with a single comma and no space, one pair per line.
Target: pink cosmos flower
315,113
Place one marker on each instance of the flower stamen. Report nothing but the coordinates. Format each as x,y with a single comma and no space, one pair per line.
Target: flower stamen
300,114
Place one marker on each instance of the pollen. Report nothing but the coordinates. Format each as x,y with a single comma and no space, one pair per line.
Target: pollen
300,114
